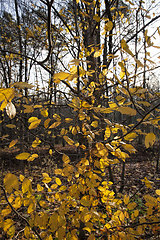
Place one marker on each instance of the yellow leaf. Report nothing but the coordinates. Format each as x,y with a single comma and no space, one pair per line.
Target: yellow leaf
126,199
18,202
28,109
32,119
7,224
158,191
32,157
6,211
150,140
50,152
44,112
147,183
36,142
60,76
26,186
46,122
121,216
123,70
57,117
129,148
107,133
108,26
58,181
87,217
131,206
49,237
62,188
68,140
46,178
39,188
58,171
96,18
98,53
68,120
61,233
13,142
53,221
31,208
11,182
136,213
54,186
55,124
85,201
94,124
130,136
74,130
125,47
127,111
23,156
21,177
34,124
63,132
11,126
27,232
65,159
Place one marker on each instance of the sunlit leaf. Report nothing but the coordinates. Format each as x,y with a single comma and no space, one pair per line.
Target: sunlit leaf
7,224
39,188
55,124
158,191
60,76
13,142
44,112
98,53
68,140
11,182
32,157
46,178
23,156
34,124
46,122
26,186
94,124
58,181
108,26
150,140
36,142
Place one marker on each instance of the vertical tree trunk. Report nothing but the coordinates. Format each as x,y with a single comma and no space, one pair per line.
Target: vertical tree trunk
20,40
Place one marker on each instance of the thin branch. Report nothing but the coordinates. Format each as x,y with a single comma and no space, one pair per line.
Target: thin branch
49,6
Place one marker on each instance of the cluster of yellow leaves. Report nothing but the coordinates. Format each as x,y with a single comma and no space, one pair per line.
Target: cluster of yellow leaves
69,203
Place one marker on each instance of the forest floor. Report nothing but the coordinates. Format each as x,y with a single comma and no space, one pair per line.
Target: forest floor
140,165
